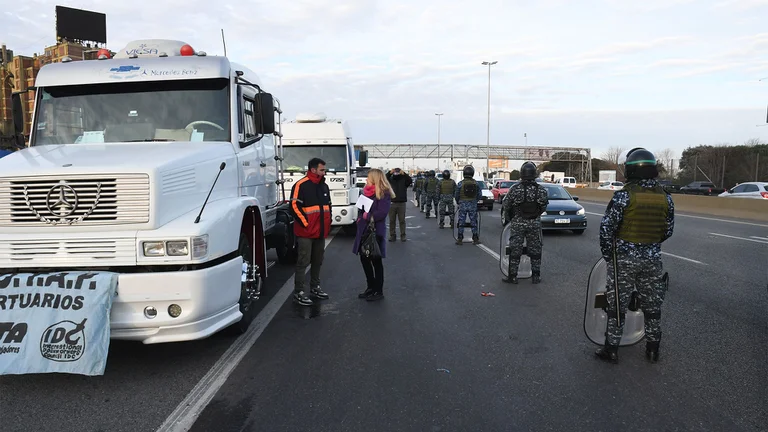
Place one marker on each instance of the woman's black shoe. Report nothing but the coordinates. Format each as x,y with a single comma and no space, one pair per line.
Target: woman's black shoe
375,296
365,294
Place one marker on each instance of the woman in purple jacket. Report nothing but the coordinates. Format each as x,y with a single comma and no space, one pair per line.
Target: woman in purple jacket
380,191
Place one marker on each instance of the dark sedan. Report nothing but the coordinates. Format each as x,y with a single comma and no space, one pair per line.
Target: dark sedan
563,212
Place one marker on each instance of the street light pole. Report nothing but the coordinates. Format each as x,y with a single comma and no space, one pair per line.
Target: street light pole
439,115
488,131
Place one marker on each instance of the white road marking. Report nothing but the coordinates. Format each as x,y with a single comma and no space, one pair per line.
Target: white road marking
596,214
741,238
186,413
683,258
490,251
759,238
696,217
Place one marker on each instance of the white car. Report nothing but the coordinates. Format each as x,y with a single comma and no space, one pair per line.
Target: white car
615,185
755,190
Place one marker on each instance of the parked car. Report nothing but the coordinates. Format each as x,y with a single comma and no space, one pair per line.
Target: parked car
562,213
500,189
613,185
669,187
701,188
755,190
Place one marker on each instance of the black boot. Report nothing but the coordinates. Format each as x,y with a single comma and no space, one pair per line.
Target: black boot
511,278
460,241
652,351
365,294
475,239
608,353
536,277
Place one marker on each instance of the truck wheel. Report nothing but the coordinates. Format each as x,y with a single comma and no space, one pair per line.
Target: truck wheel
247,306
288,252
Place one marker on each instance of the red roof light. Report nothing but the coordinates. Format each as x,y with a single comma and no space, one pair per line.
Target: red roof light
187,50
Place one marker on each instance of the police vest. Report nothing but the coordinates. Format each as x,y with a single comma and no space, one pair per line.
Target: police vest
419,183
530,207
468,190
645,218
431,185
447,187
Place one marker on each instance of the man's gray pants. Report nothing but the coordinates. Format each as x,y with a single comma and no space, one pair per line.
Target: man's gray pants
311,251
397,213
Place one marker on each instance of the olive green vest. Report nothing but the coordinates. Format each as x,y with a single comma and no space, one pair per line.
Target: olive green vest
645,219
431,185
463,194
419,183
447,187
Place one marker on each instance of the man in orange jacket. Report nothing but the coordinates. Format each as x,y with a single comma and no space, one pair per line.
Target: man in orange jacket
311,204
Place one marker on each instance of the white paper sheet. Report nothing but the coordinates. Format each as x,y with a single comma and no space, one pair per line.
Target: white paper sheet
364,203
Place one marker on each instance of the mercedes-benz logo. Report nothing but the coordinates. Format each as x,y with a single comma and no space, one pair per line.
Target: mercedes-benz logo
61,200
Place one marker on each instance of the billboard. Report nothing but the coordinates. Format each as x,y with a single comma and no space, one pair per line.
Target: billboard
79,25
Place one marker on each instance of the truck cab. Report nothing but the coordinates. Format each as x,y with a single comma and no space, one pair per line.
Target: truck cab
161,165
315,135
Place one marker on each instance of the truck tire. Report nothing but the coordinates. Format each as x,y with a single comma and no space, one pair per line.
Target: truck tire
247,307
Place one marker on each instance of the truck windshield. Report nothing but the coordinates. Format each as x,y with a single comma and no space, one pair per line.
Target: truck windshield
183,110
297,157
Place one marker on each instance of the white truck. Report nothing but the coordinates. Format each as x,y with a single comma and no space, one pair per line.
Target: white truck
163,165
315,135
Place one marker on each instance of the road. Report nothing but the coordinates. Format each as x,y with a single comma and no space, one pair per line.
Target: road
435,355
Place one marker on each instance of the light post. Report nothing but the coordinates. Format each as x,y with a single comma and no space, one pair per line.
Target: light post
488,131
439,115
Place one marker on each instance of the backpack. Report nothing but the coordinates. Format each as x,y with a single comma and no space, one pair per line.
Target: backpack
432,184
530,208
469,189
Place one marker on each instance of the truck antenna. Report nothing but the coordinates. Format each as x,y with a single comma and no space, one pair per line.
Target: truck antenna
224,42
221,168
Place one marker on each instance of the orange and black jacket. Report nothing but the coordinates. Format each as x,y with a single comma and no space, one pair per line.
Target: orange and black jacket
311,204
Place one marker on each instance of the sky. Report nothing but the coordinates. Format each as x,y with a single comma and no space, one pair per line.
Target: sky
593,73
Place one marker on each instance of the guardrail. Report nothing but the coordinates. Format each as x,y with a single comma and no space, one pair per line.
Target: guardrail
737,208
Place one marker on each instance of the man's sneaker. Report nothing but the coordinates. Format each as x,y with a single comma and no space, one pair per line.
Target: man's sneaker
302,299
318,293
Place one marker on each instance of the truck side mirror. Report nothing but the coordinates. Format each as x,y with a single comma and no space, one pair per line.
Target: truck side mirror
267,114
18,114
362,160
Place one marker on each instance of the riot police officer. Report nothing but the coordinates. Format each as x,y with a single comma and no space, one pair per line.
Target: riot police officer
447,188
637,220
417,188
429,194
522,206
467,194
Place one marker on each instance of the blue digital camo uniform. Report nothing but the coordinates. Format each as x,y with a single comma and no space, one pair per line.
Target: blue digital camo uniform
467,208
639,267
430,196
524,229
447,188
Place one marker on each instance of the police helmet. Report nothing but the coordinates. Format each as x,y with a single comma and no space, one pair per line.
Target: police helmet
469,171
528,171
638,164
431,173
446,174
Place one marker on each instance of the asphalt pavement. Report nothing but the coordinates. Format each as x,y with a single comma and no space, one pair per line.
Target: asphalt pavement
435,355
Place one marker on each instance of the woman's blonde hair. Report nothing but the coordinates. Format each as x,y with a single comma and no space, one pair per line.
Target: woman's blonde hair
381,183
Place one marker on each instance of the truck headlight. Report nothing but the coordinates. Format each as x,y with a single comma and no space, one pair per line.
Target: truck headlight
200,246
153,248
177,248
581,212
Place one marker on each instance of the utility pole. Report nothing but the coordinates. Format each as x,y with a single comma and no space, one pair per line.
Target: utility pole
757,167
439,115
488,130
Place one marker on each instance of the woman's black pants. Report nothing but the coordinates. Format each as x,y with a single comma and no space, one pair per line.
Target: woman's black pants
374,272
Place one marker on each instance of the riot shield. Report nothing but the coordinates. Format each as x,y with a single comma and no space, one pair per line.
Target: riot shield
524,270
466,226
595,317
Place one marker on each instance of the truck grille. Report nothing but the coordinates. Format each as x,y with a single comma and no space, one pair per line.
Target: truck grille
69,200
67,252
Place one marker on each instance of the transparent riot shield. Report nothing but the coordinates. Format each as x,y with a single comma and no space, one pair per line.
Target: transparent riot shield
466,226
595,317
524,270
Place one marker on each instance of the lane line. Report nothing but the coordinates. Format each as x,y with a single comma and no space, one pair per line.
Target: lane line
759,238
695,217
740,238
186,413
596,214
489,251
683,258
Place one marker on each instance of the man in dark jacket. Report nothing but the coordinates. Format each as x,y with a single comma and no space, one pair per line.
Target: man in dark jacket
311,205
400,182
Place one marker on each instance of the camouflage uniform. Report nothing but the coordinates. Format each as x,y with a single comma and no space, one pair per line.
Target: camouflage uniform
447,188
429,197
417,185
467,207
639,264
524,229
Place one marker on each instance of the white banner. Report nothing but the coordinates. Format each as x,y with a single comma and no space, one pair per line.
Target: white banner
55,322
